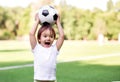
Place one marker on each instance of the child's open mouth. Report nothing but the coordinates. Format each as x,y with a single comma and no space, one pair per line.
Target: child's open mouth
47,44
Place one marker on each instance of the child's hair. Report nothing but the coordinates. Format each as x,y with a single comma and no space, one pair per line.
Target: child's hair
43,28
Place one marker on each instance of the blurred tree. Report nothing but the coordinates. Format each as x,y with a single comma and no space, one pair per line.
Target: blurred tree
117,6
110,5
99,25
3,17
40,3
62,3
24,22
112,25
77,23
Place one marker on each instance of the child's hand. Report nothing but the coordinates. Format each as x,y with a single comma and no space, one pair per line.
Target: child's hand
58,20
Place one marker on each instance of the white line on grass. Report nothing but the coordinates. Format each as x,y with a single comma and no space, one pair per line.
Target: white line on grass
14,67
91,57
75,59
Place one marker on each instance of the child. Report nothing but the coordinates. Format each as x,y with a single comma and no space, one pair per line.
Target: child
45,52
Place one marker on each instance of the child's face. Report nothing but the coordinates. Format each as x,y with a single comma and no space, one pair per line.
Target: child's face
47,38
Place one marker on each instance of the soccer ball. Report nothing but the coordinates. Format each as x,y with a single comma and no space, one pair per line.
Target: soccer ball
47,15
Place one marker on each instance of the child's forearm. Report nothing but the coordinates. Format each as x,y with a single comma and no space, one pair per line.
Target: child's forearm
34,28
60,30
61,36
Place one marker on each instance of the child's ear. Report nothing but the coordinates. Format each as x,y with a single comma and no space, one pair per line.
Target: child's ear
39,40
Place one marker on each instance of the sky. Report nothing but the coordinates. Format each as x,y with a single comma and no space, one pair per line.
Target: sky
84,4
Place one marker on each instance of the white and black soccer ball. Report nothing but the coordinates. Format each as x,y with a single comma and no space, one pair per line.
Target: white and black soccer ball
47,15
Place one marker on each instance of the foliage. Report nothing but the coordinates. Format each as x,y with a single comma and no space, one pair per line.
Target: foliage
24,22
85,24
77,23
13,22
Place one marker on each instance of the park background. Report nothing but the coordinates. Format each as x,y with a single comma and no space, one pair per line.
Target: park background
90,53
78,24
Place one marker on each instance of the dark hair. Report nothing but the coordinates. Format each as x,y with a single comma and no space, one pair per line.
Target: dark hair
43,28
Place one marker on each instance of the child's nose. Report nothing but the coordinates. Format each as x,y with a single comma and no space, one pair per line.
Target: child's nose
48,38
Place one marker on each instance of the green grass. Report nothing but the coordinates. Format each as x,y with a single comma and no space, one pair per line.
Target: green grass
19,52
15,57
100,70
17,75
97,70
84,72
77,49
15,53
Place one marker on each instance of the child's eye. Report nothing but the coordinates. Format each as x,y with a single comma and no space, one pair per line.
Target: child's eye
45,36
51,36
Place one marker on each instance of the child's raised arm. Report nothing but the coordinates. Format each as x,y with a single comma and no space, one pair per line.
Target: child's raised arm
32,33
61,34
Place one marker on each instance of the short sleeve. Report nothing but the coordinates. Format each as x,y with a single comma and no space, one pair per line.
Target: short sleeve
56,50
35,48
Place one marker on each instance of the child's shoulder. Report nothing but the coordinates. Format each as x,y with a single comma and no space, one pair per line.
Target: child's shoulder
37,46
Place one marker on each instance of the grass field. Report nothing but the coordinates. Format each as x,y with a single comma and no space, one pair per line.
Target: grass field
97,70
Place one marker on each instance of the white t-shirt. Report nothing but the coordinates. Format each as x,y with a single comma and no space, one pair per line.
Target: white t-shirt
45,62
